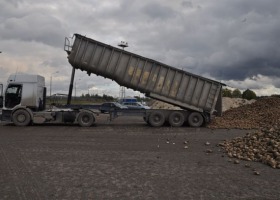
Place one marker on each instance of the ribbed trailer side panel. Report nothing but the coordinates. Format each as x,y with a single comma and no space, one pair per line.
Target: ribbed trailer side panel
157,80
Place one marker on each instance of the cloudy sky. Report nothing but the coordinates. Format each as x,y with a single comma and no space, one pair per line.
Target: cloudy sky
236,42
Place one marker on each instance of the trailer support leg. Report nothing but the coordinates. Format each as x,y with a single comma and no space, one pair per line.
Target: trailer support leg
71,87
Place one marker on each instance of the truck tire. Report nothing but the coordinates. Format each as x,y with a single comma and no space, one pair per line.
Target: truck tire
21,117
176,119
156,119
195,119
86,119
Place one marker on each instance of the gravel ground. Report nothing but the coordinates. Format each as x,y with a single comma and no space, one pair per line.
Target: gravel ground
126,160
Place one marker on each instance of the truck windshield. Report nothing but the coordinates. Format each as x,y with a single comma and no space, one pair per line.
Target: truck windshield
13,95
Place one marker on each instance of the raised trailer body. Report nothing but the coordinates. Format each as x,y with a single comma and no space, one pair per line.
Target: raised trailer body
199,97
155,79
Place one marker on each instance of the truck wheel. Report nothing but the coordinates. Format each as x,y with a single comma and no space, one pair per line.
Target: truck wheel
156,119
86,119
21,118
195,119
176,119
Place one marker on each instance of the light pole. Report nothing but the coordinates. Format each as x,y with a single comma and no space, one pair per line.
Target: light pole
122,44
51,82
89,88
76,87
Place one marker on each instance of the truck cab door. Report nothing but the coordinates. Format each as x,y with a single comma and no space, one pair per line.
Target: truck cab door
1,95
13,95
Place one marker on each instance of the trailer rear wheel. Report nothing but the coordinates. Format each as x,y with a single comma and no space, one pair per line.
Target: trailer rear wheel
176,119
156,119
195,119
21,118
86,119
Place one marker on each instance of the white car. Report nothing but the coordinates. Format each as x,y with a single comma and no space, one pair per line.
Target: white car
135,105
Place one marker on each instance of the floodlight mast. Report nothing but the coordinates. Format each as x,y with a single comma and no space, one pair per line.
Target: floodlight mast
122,44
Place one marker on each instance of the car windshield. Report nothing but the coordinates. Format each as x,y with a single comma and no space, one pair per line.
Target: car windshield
119,105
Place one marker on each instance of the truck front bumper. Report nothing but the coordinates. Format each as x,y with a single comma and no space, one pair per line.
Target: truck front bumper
6,115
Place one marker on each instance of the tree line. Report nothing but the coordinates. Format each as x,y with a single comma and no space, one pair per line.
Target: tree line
247,94
104,97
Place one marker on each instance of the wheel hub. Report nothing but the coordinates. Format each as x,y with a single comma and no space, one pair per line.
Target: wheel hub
21,118
195,119
86,119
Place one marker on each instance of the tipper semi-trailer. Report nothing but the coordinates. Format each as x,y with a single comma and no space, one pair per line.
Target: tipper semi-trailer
24,100
199,97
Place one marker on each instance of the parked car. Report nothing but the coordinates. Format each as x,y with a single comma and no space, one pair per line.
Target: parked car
135,105
111,106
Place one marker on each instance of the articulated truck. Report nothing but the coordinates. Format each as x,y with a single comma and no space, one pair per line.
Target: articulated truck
198,97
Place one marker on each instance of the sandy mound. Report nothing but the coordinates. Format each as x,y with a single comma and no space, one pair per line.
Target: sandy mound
264,112
161,105
262,145
229,103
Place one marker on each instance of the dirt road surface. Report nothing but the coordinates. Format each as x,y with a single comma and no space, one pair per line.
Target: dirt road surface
126,159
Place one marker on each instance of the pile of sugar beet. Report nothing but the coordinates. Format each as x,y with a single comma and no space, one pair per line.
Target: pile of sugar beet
263,143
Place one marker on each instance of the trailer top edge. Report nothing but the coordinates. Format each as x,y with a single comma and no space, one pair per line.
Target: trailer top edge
109,46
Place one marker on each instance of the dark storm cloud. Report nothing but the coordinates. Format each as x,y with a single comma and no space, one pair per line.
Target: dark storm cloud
246,69
254,52
225,39
187,4
235,40
44,29
23,22
156,10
